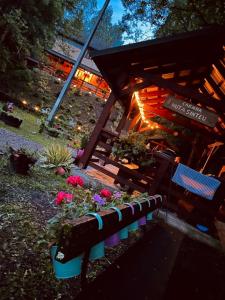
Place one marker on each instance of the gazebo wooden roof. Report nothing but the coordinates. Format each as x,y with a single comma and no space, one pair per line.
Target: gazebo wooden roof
190,66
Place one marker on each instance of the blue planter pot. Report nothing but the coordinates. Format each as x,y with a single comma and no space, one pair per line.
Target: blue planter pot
149,216
123,233
67,270
113,240
97,251
133,226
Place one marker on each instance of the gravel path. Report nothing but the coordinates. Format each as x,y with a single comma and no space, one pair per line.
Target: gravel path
9,138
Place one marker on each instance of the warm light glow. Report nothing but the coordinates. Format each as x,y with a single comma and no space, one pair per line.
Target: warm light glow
56,117
24,102
36,108
140,105
79,128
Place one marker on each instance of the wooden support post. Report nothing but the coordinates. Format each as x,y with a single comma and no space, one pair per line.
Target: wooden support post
135,120
97,130
165,164
193,149
84,281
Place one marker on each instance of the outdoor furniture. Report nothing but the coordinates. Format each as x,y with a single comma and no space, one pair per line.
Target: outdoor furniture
203,194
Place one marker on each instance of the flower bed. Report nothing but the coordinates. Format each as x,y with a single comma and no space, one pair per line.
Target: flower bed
75,237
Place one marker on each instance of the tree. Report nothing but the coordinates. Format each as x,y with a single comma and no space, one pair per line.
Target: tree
167,17
26,28
107,34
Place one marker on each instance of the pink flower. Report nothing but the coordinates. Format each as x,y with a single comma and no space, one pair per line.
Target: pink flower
106,193
61,196
75,180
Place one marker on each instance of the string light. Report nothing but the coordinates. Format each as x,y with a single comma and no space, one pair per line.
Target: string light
24,102
36,108
140,105
79,128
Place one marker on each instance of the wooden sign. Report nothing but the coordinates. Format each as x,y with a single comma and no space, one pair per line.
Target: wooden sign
191,111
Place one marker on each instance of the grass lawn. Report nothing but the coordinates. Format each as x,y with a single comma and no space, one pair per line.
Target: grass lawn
30,127
26,203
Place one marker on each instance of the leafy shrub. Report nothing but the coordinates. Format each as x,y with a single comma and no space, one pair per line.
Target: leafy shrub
84,141
56,156
133,148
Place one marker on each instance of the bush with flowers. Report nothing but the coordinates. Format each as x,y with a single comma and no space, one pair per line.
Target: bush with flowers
77,201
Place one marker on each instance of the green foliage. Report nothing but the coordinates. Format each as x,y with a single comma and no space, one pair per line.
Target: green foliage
82,202
55,156
26,29
84,141
107,34
133,148
167,17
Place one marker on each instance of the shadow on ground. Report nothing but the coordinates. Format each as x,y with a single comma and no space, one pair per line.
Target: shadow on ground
163,265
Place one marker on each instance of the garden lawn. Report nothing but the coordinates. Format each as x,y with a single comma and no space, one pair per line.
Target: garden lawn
30,127
26,203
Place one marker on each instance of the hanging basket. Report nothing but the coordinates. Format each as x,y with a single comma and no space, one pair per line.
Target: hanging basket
123,233
98,250
142,221
113,240
67,270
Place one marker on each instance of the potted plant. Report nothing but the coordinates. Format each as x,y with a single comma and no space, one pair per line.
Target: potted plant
73,203
56,157
133,149
21,160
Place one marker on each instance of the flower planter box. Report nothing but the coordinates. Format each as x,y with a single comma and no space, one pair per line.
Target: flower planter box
10,120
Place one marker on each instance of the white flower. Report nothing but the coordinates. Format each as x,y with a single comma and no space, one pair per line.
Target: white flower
60,255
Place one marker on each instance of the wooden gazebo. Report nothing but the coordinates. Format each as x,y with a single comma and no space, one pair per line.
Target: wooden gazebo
179,78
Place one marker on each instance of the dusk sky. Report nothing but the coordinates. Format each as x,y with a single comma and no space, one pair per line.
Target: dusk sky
117,8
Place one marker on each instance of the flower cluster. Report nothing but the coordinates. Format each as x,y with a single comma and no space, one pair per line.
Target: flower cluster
106,193
75,181
86,199
63,197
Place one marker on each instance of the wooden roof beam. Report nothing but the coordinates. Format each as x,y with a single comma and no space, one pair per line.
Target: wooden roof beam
220,67
186,92
153,93
200,65
216,88
185,124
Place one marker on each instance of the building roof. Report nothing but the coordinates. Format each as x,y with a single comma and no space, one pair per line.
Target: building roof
70,52
186,64
72,61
